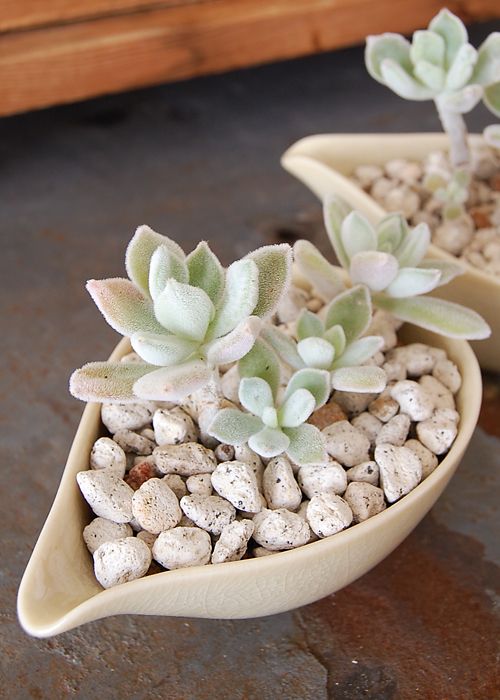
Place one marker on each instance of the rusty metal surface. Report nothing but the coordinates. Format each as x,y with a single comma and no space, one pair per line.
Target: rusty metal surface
201,159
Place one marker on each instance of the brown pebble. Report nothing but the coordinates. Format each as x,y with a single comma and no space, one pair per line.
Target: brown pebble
139,474
327,414
481,216
495,182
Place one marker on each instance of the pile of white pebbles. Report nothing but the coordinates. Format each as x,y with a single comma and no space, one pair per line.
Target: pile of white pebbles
166,495
475,236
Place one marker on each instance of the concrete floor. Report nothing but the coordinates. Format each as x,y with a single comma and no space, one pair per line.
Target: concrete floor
195,160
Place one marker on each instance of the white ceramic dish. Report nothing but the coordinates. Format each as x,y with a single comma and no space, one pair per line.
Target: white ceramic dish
59,592
325,163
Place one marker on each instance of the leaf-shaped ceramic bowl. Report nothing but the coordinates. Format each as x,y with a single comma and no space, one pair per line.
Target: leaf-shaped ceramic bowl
325,163
59,591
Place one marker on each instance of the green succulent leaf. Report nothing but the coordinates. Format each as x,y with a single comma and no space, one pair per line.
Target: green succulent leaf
427,46
491,135
414,246
309,325
255,395
352,310
283,345
412,281
487,67
173,383
357,234
452,30
462,67
236,344
336,336
325,278
274,263
111,382
239,299
184,310
316,381
444,317
165,264
139,251
269,442
306,445
335,211
430,75
206,272
388,45
123,306
234,427
363,380
296,409
359,351
374,269
402,83
162,350
491,98
462,101
261,362
316,352
390,232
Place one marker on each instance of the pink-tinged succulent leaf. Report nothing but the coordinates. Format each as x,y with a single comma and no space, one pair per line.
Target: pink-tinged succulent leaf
427,46
296,409
452,30
184,310
352,310
402,83
275,269
163,350
234,427
462,67
316,381
444,317
139,251
255,395
111,382
261,362
173,383
269,442
491,98
236,344
306,445
384,46
359,351
390,232
357,234
309,325
206,272
336,336
283,345
123,306
163,265
414,246
412,281
335,210
239,298
316,352
325,278
374,269
487,67
363,380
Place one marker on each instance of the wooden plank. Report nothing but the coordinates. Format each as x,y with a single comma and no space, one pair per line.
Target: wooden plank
71,62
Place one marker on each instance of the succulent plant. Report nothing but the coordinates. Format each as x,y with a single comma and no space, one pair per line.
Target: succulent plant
451,189
271,426
441,65
184,315
335,344
491,135
389,261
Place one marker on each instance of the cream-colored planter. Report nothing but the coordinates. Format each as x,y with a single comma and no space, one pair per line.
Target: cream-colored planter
325,163
59,591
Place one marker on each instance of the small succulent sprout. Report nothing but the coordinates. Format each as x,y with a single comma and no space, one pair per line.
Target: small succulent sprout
184,315
271,426
452,190
389,260
335,344
441,65
491,135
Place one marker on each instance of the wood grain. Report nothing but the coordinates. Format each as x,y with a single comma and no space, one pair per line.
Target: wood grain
165,42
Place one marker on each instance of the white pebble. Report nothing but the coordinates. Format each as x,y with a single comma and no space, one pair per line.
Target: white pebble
367,472
101,530
243,453
346,444
200,484
353,402
211,513
155,506
418,358
369,424
427,458
108,495
367,174
186,459
439,432
133,442
365,500
280,529
328,514
173,427
121,561
126,416
236,482
403,199
454,235
291,304
447,372
232,543
279,485
106,454
413,400
318,478
224,453
394,371
395,431
441,396
230,384
400,470
182,547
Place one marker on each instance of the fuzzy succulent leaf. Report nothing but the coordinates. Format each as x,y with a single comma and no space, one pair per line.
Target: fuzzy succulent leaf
184,310
462,101
363,380
359,351
335,211
491,98
139,251
414,246
390,232
261,362
296,409
316,352
431,76
352,310
379,48
336,336
316,381
357,234
165,264
233,427
111,382
239,298
427,46
487,67
412,281
374,269
206,272
236,344
283,345
162,350
306,445
444,317
309,325
255,395
274,263
123,306
452,30
173,383
462,67
402,83
269,442
491,135
326,278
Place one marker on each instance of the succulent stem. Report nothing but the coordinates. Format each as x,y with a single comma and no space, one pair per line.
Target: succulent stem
454,125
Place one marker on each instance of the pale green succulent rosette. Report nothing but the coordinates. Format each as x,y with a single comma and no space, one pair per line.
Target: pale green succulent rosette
184,315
